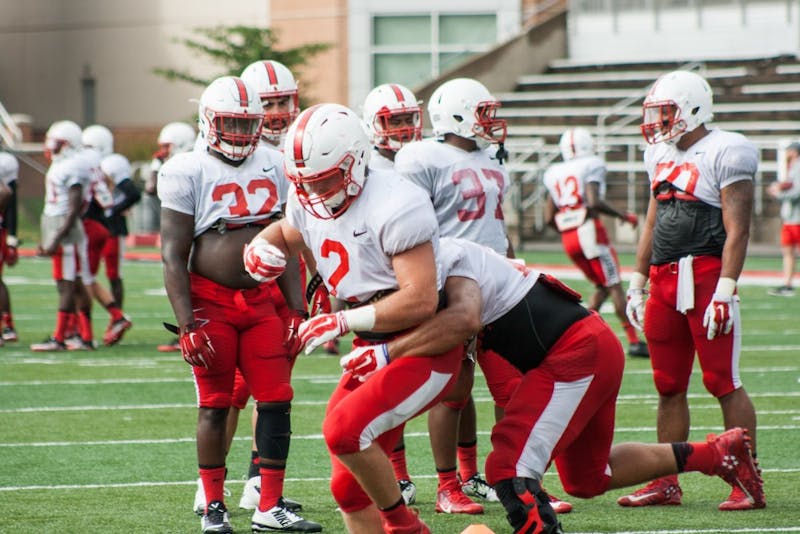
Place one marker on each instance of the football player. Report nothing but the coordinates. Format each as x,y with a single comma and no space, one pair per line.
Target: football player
788,193
576,188
62,237
212,204
460,168
563,408
373,237
692,249
9,172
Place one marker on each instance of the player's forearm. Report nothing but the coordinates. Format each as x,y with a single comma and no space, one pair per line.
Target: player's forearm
290,286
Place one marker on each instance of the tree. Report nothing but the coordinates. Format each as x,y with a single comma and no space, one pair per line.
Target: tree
236,47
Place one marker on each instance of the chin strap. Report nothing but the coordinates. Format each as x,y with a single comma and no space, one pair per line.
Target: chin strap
502,153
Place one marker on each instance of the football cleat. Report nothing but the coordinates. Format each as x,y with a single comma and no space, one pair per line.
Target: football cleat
736,466
9,334
477,487
661,491
558,506
251,495
408,490
49,345
199,506
78,343
638,350
216,519
331,347
782,291
454,501
172,346
738,500
281,519
116,329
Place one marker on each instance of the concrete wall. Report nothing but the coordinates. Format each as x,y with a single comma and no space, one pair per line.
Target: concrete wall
49,45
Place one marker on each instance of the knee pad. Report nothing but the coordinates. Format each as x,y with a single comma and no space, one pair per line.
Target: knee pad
339,437
717,386
347,493
666,385
273,429
586,487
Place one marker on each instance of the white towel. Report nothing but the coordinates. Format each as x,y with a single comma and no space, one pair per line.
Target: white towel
685,299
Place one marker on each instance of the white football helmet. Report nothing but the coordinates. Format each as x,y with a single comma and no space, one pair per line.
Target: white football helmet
678,103
176,137
326,153
466,108
576,143
230,117
117,167
99,138
273,80
383,108
62,138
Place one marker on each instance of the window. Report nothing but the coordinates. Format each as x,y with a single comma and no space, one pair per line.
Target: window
414,49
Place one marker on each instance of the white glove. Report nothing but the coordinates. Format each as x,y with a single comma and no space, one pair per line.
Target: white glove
263,260
321,328
364,362
719,313
637,295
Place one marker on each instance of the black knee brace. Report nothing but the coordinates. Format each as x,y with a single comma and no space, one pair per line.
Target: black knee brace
273,428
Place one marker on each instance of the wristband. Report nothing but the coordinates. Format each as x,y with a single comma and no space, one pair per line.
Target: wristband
12,241
638,280
725,287
361,319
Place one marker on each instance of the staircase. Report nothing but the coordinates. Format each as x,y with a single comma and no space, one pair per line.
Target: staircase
759,98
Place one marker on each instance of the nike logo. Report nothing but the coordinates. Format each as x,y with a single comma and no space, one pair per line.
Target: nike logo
638,498
357,233
268,169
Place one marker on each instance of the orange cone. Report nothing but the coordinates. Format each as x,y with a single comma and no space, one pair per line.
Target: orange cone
477,528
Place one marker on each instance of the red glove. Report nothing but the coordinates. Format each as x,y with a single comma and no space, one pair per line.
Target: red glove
12,256
263,260
632,219
317,296
196,345
322,328
292,342
364,362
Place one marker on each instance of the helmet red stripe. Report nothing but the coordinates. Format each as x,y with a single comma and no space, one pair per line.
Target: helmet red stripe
243,100
572,142
271,74
397,92
297,144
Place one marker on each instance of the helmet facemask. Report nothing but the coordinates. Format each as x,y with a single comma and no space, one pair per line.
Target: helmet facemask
487,126
331,201
662,122
395,128
234,135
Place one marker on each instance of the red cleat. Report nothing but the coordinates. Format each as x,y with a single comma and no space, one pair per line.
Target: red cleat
454,501
736,466
661,491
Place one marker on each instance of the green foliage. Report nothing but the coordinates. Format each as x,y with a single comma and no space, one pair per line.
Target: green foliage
233,48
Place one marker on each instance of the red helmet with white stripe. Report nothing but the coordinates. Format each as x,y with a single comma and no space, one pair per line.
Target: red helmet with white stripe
230,117
392,116
277,89
326,153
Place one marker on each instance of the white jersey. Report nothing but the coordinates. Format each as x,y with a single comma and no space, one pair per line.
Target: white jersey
117,167
218,194
354,251
711,164
98,188
503,282
566,182
9,168
379,161
65,171
466,189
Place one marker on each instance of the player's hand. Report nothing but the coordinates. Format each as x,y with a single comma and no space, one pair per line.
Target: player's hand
292,341
364,362
632,219
263,260
322,328
195,344
718,318
320,301
635,307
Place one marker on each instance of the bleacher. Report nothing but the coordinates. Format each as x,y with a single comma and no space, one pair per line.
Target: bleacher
757,97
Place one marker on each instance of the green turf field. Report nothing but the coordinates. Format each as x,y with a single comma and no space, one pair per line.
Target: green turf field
103,441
